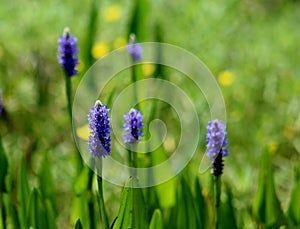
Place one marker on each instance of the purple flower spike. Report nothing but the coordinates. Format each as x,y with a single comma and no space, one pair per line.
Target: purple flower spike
216,139
67,53
99,125
217,145
134,49
133,126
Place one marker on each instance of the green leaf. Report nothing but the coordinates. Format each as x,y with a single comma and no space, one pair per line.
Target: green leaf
91,34
1,219
266,206
157,220
166,192
23,194
82,181
78,224
50,214
132,212
46,185
80,209
36,214
139,209
201,210
3,167
46,180
227,216
138,24
294,206
100,199
186,214
125,217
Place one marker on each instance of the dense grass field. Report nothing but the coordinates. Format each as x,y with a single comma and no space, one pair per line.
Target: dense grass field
252,48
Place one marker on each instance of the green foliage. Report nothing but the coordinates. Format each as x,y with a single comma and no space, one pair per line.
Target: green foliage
36,216
46,184
23,194
78,224
82,181
201,208
132,211
138,22
294,207
185,213
266,206
227,216
254,41
3,167
157,220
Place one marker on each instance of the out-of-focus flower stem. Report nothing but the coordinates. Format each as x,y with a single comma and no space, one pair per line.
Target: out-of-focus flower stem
79,163
68,94
103,215
217,182
134,79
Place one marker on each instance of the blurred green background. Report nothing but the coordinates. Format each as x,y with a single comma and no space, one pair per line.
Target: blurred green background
252,47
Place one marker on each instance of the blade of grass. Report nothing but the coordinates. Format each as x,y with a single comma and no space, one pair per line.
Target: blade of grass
157,220
23,194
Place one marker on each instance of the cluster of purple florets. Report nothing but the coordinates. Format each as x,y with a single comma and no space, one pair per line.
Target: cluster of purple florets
99,125
67,53
133,126
216,145
216,140
134,49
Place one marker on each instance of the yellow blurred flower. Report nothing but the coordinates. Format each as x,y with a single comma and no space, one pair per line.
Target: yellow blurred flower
83,132
169,144
120,42
289,132
273,147
100,49
80,66
113,13
226,78
148,69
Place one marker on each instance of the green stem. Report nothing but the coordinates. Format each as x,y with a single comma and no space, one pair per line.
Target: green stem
217,181
79,163
135,90
134,162
90,196
103,214
68,94
2,207
3,213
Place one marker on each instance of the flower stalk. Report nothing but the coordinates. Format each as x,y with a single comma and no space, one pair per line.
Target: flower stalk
68,59
99,148
217,148
133,131
135,50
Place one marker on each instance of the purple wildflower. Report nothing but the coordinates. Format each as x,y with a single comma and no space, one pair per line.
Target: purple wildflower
217,145
67,53
99,125
216,139
134,49
133,126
